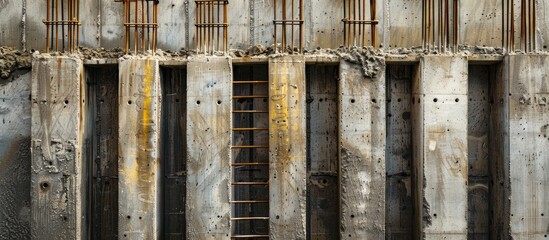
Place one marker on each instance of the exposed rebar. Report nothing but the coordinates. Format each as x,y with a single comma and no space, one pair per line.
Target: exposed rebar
355,20
437,29
144,24
211,26
62,15
291,18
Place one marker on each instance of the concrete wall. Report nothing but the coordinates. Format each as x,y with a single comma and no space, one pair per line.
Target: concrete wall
15,158
250,23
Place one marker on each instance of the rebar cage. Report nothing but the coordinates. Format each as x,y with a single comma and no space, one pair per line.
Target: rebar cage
355,21
141,16
291,25
440,25
211,26
62,15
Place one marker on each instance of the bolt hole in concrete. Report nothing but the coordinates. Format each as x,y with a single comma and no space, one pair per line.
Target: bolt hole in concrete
374,101
65,218
435,100
218,102
66,102
197,102
352,100
457,99
130,102
129,217
45,185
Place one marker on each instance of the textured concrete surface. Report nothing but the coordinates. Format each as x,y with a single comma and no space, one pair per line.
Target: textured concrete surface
362,152
58,173
15,158
139,161
440,147
528,146
250,23
209,90
287,147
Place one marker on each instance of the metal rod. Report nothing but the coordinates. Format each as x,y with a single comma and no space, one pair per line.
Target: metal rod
149,45
249,164
373,26
249,218
48,26
250,129
143,21
534,40
284,26
226,28
250,111
249,82
293,18
250,183
251,96
57,25
248,147
250,236
275,27
249,201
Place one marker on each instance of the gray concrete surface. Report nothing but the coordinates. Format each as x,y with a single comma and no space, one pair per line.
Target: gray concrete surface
139,161
287,148
209,91
250,23
15,158
362,152
528,144
57,131
440,147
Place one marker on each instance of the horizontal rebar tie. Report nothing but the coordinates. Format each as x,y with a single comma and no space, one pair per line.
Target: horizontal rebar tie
62,15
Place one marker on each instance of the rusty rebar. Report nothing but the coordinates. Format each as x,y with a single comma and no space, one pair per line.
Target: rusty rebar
62,14
291,18
211,21
355,19
143,24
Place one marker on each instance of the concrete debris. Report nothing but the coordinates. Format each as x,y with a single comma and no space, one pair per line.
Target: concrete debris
12,60
480,50
90,53
256,50
371,59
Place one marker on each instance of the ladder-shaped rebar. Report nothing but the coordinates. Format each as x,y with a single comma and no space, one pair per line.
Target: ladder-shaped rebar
355,20
250,160
62,25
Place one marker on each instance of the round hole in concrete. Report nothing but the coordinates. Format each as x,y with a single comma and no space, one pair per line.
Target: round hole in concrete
44,185
130,102
197,102
66,102
218,102
352,216
129,217
353,100
457,99
435,100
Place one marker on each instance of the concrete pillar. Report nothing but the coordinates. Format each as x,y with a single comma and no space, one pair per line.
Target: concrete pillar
138,149
209,90
528,156
58,177
362,152
287,147
439,123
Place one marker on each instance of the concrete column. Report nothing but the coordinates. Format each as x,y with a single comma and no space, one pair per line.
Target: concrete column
209,90
439,123
57,187
528,156
138,147
362,152
287,147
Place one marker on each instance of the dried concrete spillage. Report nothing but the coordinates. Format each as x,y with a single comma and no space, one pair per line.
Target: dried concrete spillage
12,60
